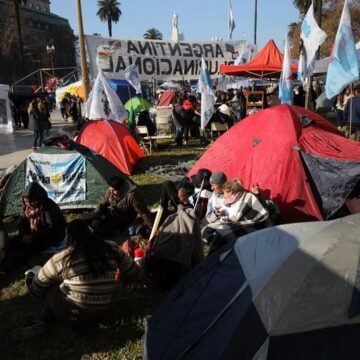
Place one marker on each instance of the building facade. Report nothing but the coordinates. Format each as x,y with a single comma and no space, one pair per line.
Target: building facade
40,28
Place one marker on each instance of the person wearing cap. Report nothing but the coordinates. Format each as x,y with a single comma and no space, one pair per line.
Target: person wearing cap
216,201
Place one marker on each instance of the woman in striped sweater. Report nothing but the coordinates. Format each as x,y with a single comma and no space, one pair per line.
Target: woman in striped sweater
79,282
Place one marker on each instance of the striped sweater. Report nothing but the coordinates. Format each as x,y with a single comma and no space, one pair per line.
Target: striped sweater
78,285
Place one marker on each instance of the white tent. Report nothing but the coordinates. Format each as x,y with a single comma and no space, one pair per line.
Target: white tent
6,124
321,65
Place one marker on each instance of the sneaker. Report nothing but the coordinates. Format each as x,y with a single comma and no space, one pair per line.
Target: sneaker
34,148
36,328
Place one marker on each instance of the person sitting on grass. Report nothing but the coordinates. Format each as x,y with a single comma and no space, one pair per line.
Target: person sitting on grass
41,225
190,192
242,213
216,201
79,282
118,209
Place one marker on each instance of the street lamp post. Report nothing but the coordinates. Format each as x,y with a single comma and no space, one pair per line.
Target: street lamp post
51,51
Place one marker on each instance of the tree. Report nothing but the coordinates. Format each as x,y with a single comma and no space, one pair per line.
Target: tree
331,13
153,34
302,5
109,11
292,29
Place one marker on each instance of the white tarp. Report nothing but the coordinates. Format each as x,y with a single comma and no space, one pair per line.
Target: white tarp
158,59
63,176
6,124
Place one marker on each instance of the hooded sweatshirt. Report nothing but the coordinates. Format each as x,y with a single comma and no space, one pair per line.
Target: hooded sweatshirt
51,229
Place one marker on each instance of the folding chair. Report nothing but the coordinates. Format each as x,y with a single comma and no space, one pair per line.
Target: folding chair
218,128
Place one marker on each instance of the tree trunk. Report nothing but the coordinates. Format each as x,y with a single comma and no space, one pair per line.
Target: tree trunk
109,27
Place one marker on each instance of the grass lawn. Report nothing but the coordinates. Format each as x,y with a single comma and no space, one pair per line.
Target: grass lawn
118,337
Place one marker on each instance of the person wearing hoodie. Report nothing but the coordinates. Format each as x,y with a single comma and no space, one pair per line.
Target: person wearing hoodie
41,225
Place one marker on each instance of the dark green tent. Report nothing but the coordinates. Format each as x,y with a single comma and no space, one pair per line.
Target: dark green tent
98,171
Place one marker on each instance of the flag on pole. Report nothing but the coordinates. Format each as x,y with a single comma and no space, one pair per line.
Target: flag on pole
286,93
311,38
205,87
231,21
132,76
104,103
343,67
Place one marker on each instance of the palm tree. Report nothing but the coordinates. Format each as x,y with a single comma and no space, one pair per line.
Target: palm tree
303,6
153,34
109,11
292,27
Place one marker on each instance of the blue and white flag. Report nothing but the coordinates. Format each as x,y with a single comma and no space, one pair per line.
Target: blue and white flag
231,21
205,87
311,38
104,103
286,93
62,176
132,76
343,67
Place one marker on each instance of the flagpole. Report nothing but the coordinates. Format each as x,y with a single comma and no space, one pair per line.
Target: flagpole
84,75
229,20
255,22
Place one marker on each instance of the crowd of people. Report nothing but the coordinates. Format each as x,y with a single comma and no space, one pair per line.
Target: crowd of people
79,281
348,110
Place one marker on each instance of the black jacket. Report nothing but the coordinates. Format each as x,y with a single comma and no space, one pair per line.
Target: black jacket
53,224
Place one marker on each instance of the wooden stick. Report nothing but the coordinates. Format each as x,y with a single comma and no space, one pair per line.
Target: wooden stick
156,222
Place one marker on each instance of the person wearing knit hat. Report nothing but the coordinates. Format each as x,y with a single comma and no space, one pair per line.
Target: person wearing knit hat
216,201
218,177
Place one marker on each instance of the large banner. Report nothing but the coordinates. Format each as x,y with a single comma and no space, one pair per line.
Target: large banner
62,176
160,60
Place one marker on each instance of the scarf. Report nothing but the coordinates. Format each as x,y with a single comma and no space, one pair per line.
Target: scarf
34,217
232,199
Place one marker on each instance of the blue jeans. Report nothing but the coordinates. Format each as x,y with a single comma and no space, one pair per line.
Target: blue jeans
179,135
38,138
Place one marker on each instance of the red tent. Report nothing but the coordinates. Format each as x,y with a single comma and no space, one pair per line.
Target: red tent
167,98
113,141
300,160
267,63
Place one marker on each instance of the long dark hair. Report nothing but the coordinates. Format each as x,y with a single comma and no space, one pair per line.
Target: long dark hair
95,250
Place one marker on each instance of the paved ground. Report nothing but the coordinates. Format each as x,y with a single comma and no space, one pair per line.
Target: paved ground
15,147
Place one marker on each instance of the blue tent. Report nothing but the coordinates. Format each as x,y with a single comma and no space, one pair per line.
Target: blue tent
124,90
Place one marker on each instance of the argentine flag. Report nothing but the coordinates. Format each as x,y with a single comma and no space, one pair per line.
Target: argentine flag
286,93
205,87
343,67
